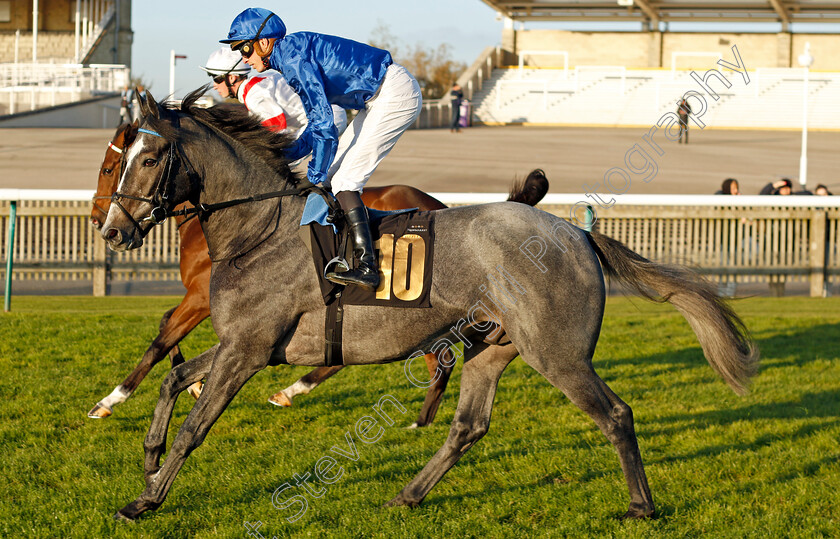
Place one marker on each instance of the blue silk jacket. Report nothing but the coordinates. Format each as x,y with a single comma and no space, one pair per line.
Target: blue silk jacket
327,70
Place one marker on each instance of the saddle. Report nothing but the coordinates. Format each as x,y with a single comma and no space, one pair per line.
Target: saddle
404,245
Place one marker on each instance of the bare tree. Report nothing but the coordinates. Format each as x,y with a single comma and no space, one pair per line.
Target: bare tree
433,68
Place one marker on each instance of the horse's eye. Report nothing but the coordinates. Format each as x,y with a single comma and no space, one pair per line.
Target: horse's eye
150,162
107,171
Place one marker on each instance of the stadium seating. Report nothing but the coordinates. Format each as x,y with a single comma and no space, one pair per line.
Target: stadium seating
614,96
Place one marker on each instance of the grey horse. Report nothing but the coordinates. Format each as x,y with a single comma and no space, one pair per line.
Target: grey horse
502,265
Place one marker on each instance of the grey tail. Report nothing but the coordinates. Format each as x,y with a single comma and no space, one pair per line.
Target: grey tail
530,190
726,343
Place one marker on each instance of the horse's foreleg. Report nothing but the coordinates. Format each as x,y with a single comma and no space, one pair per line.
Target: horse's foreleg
178,379
229,371
479,379
435,393
185,317
304,385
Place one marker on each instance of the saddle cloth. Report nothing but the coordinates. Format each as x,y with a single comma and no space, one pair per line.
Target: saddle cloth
404,244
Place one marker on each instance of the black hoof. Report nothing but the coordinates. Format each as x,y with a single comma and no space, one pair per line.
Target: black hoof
638,512
399,501
133,510
121,517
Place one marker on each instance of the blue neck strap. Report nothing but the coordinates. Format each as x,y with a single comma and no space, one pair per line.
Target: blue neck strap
141,130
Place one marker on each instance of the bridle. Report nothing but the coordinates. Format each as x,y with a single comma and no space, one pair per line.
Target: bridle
108,197
162,194
162,191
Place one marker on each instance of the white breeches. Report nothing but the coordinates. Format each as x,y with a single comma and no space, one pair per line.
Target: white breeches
375,130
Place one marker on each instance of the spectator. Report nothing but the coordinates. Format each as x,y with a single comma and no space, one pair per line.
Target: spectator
456,95
683,110
125,105
822,191
779,187
729,187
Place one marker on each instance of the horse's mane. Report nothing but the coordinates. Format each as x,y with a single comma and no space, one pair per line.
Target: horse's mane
233,121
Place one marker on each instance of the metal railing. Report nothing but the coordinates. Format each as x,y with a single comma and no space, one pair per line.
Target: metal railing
39,85
731,239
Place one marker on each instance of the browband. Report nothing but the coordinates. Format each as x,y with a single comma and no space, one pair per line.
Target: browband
141,130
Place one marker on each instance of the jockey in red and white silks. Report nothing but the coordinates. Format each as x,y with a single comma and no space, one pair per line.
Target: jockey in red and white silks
267,96
328,70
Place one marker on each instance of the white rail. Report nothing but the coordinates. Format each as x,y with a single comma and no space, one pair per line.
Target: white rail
553,199
718,201
773,239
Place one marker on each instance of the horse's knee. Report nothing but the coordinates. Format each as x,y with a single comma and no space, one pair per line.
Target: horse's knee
170,385
622,414
463,435
621,421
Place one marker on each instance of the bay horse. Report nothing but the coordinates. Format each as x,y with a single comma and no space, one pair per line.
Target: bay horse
195,266
495,265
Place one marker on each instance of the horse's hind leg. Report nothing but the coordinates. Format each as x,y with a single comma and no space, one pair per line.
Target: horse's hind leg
435,393
479,379
304,385
615,419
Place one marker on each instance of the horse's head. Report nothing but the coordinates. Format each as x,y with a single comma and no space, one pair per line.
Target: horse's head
152,181
109,173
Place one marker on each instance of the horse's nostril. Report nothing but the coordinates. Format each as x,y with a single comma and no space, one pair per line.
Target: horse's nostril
111,234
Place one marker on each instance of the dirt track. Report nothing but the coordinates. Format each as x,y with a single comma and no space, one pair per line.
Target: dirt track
486,159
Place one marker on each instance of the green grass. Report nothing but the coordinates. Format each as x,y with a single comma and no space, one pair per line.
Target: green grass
764,465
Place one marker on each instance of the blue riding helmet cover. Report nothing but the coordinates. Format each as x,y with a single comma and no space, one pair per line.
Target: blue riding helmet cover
247,24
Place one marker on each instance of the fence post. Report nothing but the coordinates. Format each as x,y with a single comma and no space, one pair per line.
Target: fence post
817,249
10,255
100,267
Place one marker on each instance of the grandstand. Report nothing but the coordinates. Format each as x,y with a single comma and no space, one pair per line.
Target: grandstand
75,50
633,78
618,97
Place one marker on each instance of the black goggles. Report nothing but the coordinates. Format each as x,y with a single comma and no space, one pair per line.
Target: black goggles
246,48
218,79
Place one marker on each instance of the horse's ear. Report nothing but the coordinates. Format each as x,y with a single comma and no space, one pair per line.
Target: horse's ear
131,133
141,100
154,110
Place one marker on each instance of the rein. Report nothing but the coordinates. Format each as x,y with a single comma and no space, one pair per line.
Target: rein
203,211
159,213
159,196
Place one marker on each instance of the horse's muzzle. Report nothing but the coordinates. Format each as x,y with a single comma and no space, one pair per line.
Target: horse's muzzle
119,240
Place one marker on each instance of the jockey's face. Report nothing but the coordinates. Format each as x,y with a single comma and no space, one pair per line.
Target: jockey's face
220,86
254,59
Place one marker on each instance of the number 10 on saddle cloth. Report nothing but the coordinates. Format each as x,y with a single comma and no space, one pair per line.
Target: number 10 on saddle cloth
404,245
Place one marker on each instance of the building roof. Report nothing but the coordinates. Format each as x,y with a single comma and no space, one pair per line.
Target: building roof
654,11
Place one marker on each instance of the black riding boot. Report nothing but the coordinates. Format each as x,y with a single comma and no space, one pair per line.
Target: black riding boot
365,272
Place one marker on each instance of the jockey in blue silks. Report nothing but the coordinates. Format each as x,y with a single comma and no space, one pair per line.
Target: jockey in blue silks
327,70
